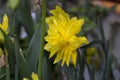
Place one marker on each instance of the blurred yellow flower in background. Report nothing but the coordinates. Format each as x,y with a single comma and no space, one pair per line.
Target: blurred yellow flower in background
61,39
4,27
34,77
4,24
92,56
1,52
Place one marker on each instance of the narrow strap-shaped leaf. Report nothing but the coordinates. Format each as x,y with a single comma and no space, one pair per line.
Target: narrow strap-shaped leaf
7,72
23,69
81,62
33,52
24,16
16,72
3,75
10,50
45,69
107,71
2,72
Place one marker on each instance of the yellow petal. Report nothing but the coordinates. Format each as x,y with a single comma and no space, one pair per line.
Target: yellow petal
60,14
49,20
4,26
58,57
54,51
74,26
34,76
77,42
83,40
64,56
74,43
57,11
74,58
48,47
68,57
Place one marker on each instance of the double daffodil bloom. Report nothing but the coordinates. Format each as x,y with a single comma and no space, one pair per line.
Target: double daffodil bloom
4,27
61,39
34,77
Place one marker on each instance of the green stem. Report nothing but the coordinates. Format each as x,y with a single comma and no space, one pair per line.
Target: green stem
7,72
91,74
101,28
105,47
42,39
81,62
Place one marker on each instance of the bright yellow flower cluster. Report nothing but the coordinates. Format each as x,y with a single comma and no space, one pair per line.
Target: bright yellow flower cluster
34,77
61,39
4,27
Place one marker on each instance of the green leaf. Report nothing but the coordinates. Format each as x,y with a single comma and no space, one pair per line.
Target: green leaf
23,69
101,9
73,9
16,72
106,75
81,64
45,69
2,72
93,10
24,16
89,26
10,50
90,69
2,76
14,26
32,55
85,18
7,72
69,72
82,10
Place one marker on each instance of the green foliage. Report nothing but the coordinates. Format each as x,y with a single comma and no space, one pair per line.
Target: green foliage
26,55
89,26
7,73
32,55
21,64
23,14
45,69
2,72
11,54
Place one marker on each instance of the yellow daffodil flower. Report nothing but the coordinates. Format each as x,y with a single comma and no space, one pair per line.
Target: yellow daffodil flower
4,27
34,77
61,39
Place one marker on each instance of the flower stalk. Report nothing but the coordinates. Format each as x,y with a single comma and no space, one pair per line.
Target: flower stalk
42,39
